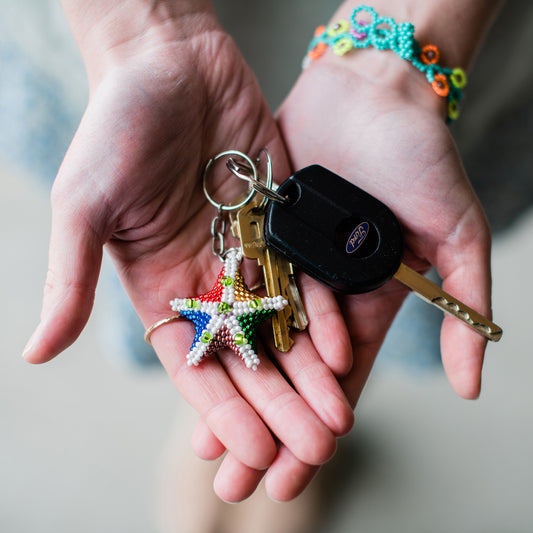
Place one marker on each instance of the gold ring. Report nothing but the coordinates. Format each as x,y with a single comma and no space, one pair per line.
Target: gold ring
153,327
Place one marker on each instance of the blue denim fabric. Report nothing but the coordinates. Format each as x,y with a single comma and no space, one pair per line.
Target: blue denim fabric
36,125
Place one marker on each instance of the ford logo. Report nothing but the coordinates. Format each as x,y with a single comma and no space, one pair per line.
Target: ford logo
357,238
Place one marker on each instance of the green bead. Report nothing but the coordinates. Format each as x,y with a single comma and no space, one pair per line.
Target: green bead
342,46
223,307
206,337
338,28
458,77
226,281
453,110
239,339
255,304
192,304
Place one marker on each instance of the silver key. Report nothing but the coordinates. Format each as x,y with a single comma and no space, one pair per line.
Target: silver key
295,311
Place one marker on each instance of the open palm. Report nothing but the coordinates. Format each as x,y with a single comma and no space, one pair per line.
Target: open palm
390,139
132,181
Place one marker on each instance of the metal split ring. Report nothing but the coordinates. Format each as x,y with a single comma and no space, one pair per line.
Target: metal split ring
249,173
230,207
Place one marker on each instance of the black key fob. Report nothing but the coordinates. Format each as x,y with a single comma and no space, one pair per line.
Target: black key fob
334,231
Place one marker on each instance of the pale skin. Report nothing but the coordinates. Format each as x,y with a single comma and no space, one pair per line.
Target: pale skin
169,90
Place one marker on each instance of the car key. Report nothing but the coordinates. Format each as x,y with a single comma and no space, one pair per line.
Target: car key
350,241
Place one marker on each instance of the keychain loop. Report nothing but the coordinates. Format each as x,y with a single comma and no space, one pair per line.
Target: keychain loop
243,171
218,205
249,173
218,230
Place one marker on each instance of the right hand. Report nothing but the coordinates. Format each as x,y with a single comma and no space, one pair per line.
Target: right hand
163,101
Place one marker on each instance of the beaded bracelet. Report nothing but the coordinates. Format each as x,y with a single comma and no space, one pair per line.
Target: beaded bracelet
384,33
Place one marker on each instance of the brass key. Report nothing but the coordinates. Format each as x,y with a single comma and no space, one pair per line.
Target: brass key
429,292
248,226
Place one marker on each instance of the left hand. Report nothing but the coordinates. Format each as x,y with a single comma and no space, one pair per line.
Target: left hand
374,120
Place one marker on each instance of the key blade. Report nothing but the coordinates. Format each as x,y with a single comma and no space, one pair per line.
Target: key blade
233,215
280,327
296,316
432,293
250,230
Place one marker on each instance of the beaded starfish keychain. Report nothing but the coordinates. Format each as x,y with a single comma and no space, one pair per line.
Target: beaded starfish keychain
229,314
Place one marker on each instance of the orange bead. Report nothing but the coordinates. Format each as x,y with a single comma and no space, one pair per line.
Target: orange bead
317,51
430,54
440,85
320,30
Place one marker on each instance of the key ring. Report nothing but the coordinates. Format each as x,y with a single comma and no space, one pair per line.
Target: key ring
249,173
244,171
231,207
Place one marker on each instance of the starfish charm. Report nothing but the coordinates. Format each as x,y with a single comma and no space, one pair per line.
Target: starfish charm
228,315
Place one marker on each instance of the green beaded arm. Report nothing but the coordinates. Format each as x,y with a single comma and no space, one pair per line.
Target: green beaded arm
384,33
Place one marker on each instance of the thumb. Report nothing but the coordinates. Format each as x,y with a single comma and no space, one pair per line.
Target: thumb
75,257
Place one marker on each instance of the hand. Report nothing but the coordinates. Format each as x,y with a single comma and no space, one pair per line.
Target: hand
374,120
160,107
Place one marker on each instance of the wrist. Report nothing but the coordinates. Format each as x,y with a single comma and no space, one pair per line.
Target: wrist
374,76
110,33
357,35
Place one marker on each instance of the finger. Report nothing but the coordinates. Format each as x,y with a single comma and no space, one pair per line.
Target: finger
354,383
462,348
315,383
75,256
464,264
285,412
210,391
234,481
327,327
287,477
463,355
205,443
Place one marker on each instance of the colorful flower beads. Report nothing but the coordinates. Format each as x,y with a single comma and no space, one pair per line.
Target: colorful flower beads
366,28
